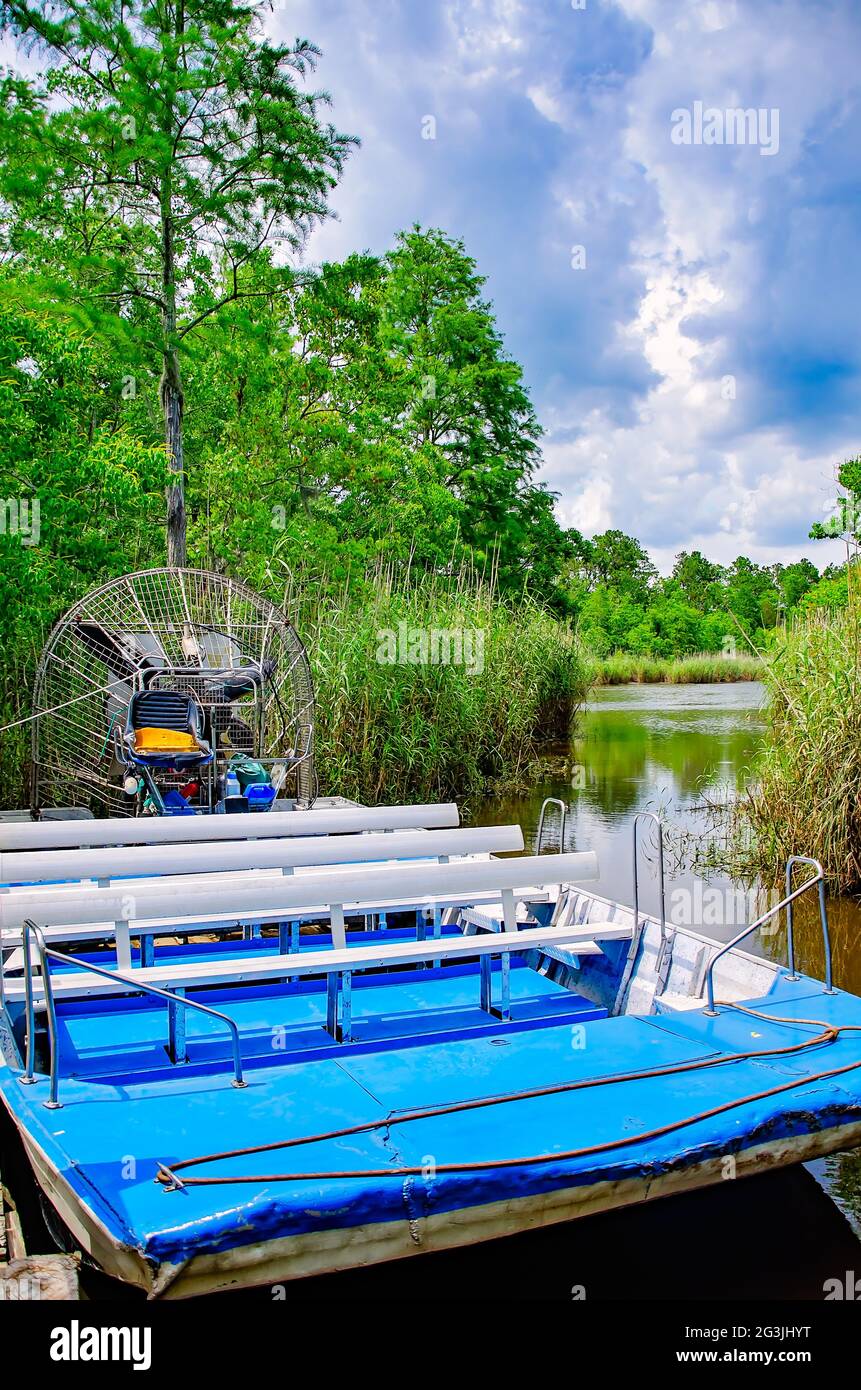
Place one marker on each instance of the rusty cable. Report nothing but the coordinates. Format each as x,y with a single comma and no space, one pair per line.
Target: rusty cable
829,1034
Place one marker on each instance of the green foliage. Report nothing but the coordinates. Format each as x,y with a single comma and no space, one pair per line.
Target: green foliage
335,413
144,175
98,487
831,592
623,606
845,521
805,798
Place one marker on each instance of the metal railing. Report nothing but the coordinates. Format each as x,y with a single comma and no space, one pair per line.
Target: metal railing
135,984
649,815
563,811
818,878
667,936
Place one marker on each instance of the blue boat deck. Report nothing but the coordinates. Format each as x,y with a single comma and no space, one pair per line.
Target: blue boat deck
122,1037
160,1113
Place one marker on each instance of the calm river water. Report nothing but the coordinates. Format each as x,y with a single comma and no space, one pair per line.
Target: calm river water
671,749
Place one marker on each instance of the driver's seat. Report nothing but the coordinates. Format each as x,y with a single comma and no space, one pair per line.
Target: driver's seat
163,729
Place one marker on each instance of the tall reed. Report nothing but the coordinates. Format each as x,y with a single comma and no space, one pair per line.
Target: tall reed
806,797
399,730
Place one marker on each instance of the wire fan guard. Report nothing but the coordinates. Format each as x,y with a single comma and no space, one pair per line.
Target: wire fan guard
168,629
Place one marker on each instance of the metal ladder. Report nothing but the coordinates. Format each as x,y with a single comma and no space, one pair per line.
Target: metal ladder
563,812
668,934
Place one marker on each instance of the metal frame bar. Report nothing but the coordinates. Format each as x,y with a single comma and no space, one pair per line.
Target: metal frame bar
339,1005
823,915
175,1001
668,934
502,1010
653,816
563,811
52,1103
818,877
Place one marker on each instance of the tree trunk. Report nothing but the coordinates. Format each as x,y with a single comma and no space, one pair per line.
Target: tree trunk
172,405
171,389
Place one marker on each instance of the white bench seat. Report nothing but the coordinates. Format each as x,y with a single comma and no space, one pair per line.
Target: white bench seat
146,862
185,926
80,984
253,825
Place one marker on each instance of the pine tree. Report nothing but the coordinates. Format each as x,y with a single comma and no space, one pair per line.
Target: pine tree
166,146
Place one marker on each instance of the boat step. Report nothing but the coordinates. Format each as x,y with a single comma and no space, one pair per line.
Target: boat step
490,918
673,1003
570,957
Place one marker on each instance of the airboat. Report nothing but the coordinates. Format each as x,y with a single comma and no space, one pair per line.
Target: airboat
246,1045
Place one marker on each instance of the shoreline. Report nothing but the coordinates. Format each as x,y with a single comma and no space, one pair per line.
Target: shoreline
701,669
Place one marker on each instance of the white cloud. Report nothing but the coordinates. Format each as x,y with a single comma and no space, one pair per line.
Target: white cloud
703,263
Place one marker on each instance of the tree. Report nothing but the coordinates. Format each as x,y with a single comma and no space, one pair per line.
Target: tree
456,392
694,574
373,400
621,562
160,155
845,521
751,594
794,581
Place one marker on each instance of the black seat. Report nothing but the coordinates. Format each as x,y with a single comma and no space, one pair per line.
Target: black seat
163,729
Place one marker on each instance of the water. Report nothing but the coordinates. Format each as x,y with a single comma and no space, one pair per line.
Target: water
639,748
672,749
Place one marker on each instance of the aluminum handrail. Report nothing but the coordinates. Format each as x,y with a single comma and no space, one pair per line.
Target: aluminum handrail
138,986
650,815
818,877
52,1103
563,811
823,915
663,960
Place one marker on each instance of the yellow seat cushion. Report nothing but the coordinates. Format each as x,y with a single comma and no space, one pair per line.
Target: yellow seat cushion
164,741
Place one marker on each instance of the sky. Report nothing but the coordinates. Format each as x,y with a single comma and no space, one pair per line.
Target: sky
680,285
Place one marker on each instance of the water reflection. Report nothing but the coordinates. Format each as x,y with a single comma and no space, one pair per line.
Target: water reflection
642,748
666,748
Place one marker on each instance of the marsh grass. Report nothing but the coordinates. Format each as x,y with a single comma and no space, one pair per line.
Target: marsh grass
621,668
401,731
806,796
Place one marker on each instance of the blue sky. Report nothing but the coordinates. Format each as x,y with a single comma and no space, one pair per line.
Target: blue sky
698,377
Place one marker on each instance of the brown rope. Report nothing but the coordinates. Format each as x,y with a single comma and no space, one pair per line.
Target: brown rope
829,1034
